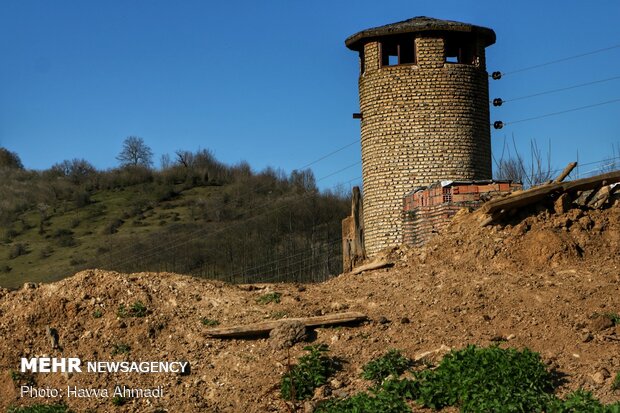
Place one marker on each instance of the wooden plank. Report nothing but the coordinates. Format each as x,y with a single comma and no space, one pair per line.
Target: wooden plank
533,195
263,328
569,168
372,266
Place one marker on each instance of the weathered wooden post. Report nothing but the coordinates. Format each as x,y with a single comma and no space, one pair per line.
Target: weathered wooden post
353,249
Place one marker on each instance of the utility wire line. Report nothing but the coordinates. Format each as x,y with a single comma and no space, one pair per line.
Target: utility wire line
559,112
561,60
560,89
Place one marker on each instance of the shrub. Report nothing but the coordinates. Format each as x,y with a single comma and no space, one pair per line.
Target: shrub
18,250
269,298
311,372
487,380
64,237
119,400
97,313
391,364
113,226
120,348
382,399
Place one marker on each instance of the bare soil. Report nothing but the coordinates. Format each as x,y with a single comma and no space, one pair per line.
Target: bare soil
538,283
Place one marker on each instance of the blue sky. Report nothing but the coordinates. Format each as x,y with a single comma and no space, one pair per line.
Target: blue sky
271,82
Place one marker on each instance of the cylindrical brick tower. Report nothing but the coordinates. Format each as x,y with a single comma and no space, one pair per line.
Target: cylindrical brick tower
424,103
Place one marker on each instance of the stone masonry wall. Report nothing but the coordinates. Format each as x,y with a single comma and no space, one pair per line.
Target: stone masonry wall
421,123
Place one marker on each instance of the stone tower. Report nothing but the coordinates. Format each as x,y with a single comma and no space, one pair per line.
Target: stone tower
424,103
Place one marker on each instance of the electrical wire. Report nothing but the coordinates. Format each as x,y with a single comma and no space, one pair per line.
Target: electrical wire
560,89
561,112
564,59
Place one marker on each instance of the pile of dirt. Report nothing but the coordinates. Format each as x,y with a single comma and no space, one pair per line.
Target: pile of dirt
539,283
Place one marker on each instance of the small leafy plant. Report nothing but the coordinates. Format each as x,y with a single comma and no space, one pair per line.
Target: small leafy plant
209,322
392,363
120,348
615,385
97,313
273,297
22,379
311,372
119,400
137,309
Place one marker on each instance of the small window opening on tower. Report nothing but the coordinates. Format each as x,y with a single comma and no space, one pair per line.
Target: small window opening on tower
362,62
460,50
398,51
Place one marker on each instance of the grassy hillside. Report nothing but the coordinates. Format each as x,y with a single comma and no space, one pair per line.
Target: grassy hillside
204,219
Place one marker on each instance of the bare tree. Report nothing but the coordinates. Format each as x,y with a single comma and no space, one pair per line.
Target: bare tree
135,153
10,159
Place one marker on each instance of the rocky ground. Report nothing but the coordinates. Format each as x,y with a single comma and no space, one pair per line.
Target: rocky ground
538,282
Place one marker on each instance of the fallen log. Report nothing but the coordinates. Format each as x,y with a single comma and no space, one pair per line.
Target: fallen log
372,266
263,328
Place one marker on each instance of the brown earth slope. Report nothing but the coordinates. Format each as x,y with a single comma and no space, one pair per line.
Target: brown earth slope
538,283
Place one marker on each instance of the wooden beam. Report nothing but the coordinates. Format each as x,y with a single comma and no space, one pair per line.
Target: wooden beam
569,168
533,195
372,266
261,329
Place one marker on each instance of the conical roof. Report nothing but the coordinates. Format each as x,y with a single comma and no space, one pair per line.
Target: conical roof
415,25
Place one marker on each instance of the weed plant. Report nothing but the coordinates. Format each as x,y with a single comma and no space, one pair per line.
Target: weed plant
393,363
269,298
311,372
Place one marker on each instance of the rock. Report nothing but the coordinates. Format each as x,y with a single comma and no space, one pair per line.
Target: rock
600,323
341,394
382,320
600,376
562,204
338,306
335,384
287,334
29,286
586,337
405,320
309,407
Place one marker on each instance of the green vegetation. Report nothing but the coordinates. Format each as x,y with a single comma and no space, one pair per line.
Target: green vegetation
22,379
40,408
194,215
615,385
393,363
209,322
311,372
137,309
97,313
119,400
120,348
614,317
273,297
476,380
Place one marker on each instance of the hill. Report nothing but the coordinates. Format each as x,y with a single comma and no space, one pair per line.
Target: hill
198,217
549,283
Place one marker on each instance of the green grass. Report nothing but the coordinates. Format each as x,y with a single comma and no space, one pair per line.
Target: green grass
273,297
47,261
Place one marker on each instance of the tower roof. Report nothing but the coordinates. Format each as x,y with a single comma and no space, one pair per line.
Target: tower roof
416,25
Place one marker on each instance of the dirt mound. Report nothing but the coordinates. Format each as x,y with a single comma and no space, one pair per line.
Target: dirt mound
540,283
